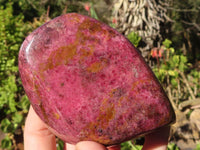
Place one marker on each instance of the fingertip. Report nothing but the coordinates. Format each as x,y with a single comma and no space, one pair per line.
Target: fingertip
36,134
69,147
157,140
89,145
114,147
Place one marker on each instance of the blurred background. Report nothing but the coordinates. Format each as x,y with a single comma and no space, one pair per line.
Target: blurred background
166,32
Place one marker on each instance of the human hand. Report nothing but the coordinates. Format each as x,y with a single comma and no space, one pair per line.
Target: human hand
38,137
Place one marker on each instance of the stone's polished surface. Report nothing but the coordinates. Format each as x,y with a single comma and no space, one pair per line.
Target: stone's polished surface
88,82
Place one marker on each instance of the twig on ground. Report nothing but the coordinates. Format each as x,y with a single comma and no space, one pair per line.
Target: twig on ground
187,84
189,103
171,99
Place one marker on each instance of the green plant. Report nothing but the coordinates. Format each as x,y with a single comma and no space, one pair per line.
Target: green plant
174,71
130,146
89,7
179,78
197,147
172,146
13,103
93,12
134,38
169,63
60,144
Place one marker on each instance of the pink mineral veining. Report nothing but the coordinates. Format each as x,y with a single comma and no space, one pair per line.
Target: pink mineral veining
86,81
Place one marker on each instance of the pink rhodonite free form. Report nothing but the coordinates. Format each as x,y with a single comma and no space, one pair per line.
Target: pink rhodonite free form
86,81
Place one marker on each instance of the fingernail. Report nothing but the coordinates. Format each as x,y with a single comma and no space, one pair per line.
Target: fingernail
114,147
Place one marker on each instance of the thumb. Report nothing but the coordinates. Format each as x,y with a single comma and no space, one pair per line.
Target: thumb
90,145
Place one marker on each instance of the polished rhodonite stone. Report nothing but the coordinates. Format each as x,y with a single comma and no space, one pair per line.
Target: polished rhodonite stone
86,81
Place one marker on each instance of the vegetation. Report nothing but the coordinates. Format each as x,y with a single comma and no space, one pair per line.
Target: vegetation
13,102
176,62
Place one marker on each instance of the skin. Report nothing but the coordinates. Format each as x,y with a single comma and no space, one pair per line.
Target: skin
37,136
